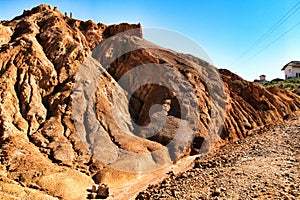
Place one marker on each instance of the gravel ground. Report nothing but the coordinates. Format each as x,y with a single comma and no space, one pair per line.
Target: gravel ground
265,165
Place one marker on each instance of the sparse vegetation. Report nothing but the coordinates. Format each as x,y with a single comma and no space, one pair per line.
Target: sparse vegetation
292,84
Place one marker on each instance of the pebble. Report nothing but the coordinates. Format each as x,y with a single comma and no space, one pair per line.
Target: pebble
184,175
92,196
95,188
99,191
103,191
216,192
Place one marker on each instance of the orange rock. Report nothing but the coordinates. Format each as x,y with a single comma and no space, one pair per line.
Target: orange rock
53,121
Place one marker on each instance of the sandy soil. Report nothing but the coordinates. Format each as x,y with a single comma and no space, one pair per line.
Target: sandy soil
265,165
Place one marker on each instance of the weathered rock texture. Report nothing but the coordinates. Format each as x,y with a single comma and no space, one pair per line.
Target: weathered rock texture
59,129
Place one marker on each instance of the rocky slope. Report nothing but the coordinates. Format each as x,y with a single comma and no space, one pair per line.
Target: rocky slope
265,165
82,102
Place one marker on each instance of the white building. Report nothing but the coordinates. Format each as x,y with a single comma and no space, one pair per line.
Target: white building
292,70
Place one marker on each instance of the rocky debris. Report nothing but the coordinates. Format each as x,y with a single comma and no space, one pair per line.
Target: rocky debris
103,191
99,192
263,165
69,115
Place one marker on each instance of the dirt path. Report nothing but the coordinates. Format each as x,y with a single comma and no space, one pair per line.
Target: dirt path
265,165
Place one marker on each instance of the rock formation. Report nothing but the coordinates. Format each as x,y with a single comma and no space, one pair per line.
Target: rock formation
70,109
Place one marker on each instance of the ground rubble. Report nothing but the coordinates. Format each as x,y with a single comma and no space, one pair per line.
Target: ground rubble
264,165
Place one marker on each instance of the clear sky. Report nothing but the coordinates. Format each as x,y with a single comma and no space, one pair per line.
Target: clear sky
224,28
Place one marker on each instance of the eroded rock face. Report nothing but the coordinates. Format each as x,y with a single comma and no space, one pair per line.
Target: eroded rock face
41,52
223,97
251,105
71,110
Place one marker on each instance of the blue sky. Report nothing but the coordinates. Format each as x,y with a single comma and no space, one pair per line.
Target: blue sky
224,28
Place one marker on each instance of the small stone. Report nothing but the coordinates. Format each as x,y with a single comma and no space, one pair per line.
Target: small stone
175,193
43,144
95,188
103,191
255,195
216,192
253,186
184,175
92,196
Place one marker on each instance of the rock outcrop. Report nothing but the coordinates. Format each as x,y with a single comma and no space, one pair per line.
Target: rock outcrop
81,100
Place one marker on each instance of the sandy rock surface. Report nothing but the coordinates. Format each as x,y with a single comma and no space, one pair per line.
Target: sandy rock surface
73,111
